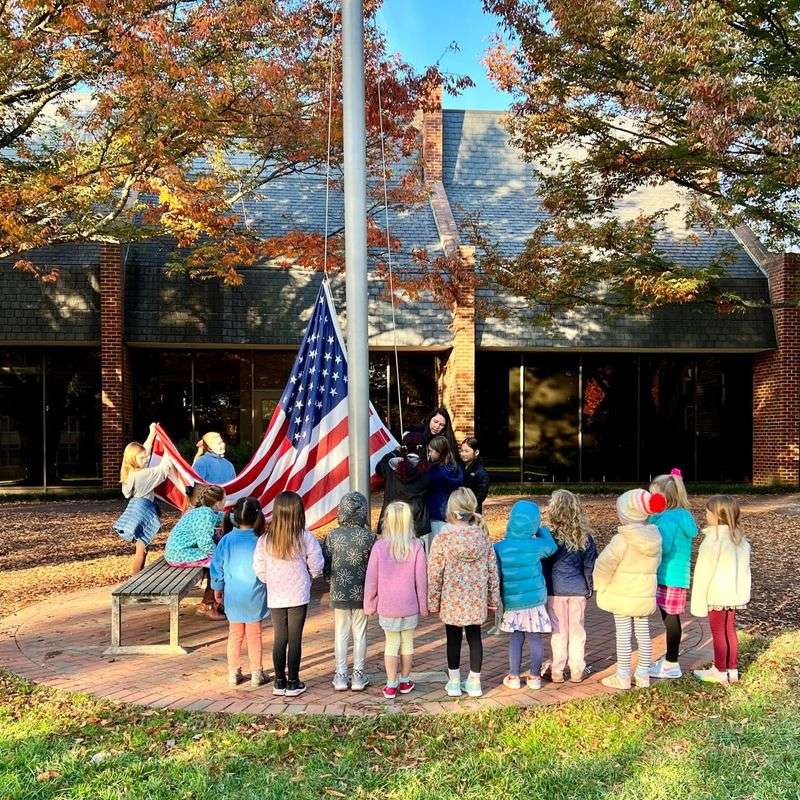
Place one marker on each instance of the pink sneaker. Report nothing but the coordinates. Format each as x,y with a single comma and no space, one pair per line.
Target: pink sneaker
390,692
407,686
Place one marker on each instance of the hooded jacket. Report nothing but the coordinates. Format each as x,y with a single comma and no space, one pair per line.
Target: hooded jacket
625,572
408,483
346,550
678,529
463,582
519,558
722,572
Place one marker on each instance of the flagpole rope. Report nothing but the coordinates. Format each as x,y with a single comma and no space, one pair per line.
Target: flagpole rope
328,160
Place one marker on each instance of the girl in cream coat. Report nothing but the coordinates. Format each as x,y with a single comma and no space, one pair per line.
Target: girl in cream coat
625,580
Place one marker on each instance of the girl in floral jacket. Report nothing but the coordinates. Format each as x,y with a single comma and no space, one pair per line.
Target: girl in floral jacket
463,585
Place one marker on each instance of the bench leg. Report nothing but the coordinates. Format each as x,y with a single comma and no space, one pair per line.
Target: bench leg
116,621
173,622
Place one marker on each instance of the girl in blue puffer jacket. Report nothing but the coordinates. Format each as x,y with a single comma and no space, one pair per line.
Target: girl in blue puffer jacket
678,530
523,590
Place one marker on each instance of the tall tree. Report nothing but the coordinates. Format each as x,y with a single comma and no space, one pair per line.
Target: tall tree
612,96
124,119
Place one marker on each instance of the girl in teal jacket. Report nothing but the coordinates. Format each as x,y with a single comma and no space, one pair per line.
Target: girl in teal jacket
678,530
523,589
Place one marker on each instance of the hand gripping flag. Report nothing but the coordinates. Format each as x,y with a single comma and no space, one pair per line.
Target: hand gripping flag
305,445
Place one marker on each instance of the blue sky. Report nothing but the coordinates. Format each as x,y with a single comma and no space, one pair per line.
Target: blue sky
422,29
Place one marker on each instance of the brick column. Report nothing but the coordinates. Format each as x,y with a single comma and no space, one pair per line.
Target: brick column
115,388
776,381
432,135
458,377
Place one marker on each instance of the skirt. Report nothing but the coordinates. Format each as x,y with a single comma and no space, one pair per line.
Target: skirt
671,599
395,624
530,620
139,522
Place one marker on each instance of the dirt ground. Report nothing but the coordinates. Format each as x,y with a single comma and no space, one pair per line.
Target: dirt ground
63,546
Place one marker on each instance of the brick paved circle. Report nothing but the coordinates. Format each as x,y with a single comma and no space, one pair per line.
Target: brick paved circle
60,643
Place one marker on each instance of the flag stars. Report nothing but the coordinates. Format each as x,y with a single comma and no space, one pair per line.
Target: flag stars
298,404
334,392
335,376
328,356
325,373
330,340
338,359
319,405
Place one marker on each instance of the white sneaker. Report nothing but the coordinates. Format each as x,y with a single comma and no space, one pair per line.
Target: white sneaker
472,687
359,681
642,681
711,675
340,682
512,682
664,669
453,687
617,681
733,676
534,682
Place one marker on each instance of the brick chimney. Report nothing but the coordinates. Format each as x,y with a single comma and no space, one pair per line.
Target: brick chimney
432,135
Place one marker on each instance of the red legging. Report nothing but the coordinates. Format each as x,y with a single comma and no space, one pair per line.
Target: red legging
723,633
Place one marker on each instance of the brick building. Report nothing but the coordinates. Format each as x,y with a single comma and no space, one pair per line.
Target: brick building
87,362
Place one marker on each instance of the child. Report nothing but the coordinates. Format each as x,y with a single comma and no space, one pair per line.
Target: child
475,475
678,530
722,585
568,575
236,585
346,551
523,590
287,559
210,462
444,476
141,520
396,589
625,579
191,542
405,478
463,585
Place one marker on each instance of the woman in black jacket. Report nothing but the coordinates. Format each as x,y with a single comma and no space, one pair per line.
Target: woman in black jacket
405,477
475,475
437,423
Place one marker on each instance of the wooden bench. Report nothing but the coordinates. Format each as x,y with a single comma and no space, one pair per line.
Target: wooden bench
158,584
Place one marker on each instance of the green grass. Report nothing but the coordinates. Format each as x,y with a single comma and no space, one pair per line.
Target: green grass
678,742
539,488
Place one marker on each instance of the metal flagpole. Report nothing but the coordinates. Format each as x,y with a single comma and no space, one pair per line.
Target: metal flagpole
355,236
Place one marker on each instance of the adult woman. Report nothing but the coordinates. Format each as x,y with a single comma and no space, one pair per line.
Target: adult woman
438,423
210,462
475,475
405,478
444,477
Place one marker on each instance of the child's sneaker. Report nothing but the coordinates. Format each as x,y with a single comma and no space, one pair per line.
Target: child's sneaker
258,678
235,677
665,669
511,682
390,692
472,687
575,676
453,687
534,682
294,688
407,686
556,677
279,687
616,681
711,675
360,681
340,682
733,676
642,681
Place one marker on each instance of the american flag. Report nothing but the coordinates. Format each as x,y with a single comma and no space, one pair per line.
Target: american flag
305,446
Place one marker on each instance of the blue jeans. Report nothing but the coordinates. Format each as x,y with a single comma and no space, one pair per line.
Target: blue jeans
515,646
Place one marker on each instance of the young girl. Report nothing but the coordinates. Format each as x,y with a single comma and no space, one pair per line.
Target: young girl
444,477
625,579
405,478
191,542
236,585
568,575
396,589
475,475
287,559
141,520
463,585
523,590
722,585
678,530
210,462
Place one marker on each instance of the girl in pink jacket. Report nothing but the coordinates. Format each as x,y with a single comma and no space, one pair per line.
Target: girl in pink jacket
396,588
287,559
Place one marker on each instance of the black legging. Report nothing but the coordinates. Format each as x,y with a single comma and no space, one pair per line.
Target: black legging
288,625
672,624
454,637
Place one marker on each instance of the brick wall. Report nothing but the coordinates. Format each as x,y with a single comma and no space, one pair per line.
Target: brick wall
776,382
114,385
432,136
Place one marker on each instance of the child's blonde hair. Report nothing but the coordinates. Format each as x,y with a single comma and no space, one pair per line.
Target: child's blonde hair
673,488
129,463
463,507
286,528
726,509
568,520
398,529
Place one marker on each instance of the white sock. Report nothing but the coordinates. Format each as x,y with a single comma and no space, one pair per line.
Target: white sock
405,678
455,674
474,676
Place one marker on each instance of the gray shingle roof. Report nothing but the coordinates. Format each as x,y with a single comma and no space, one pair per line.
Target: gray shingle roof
484,174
